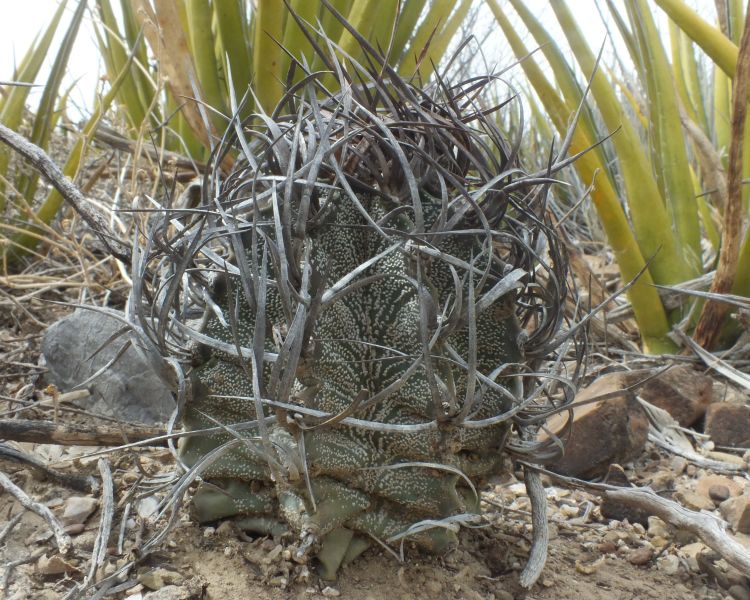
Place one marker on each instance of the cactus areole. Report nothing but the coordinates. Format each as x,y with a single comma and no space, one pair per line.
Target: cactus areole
377,283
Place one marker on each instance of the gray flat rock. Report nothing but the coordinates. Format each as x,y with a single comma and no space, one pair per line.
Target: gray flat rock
129,390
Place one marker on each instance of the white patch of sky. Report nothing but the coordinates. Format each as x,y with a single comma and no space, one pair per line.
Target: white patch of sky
24,19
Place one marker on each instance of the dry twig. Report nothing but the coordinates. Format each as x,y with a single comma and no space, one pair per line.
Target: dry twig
706,526
48,432
61,538
46,166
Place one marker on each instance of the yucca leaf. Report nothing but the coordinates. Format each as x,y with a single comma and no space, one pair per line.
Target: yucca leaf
26,242
411,10
713,42
647,305
434,19
234,34
117,56
669,153
295,42
12,106
200,17
625,33
361,17
169,44
45,115
693,81
648,211
678,70
564,75
268,57
440,41
383,28
721,111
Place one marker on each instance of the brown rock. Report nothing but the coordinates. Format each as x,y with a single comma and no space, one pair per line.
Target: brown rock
641,555
611,430
55,565
737,513
77,509
729,424
682,391
718,493
694,501
707,482
739,592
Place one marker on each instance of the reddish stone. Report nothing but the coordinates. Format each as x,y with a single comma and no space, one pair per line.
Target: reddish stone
682,391
737,513
729,424
611,430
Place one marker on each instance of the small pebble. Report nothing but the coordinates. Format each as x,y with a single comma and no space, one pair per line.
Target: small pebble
209,532
641,556
657,527
739,592
147,507
678,465
669,564
330,592
136,589
718,493
77,509
569,511
607,547
75,529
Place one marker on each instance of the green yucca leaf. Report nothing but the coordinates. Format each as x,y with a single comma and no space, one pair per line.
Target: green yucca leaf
45,115
440,41
713,42
331,25
434,19
115,54
202,47
295,42
721,118
668,150
647,305
268,57
736,19
625,33
695,86
411,10
383,24
678,71
564,76
26,242
647,208
13,105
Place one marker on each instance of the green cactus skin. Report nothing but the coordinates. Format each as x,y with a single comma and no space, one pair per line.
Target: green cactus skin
361,343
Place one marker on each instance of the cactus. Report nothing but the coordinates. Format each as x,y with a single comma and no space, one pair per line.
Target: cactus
377,284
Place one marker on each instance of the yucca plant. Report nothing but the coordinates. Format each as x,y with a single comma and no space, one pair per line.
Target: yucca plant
379,287
23,220
213,55
650,200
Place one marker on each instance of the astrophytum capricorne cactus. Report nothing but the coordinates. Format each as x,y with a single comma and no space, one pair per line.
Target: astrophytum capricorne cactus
378,285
